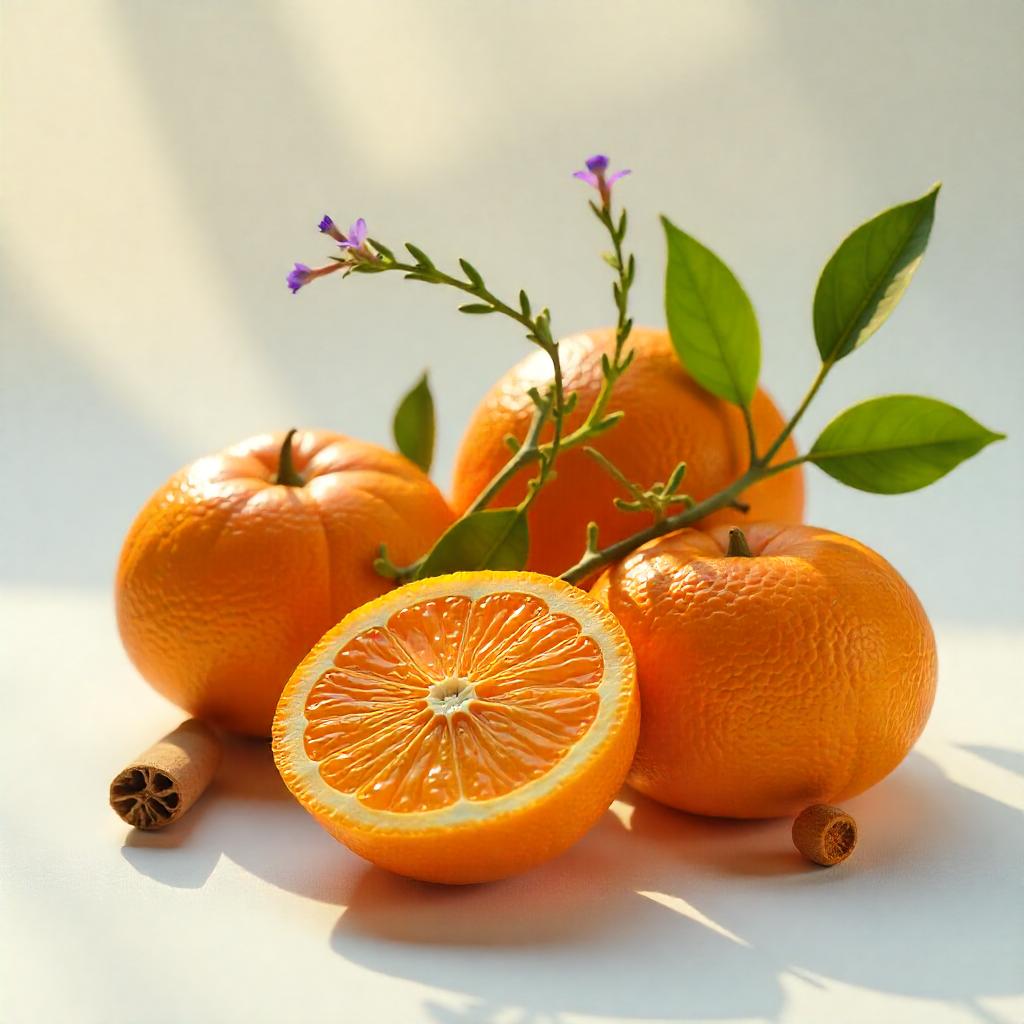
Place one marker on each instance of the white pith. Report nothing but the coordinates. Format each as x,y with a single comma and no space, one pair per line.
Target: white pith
447,697
303,775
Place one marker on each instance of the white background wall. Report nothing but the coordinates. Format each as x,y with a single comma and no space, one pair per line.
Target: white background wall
163,164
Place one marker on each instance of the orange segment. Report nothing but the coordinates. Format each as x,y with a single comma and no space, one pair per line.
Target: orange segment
489,691
464,727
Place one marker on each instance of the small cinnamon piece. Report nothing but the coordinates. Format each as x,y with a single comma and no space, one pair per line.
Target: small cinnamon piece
162,783
824,834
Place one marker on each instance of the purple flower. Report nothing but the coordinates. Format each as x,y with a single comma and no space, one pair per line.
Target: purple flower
354,240
301,274
356,237
594,175
355,244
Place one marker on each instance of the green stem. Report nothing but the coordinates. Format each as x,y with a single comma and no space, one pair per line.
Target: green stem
623,329
797,416
751,435
286,472
539,331
529,452
760,469
594,560
480,291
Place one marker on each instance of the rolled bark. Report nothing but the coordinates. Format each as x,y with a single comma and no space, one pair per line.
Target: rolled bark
825,834
163,782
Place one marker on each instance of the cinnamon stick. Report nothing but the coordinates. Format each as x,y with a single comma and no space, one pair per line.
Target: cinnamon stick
163,782
825,834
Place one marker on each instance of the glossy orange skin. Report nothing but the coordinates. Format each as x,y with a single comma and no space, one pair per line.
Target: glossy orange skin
669,419
226,579
801,675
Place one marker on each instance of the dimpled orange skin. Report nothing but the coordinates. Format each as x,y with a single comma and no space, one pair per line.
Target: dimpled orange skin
668,419
227,579
801,675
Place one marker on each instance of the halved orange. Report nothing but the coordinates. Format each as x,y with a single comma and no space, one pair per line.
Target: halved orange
462,728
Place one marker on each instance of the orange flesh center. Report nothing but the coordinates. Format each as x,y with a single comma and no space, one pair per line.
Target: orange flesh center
453,699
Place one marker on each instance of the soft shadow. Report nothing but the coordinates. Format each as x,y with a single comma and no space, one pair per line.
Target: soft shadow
578,897
724,846
923,885
703,917
102,438
594,909
248,816
1002,757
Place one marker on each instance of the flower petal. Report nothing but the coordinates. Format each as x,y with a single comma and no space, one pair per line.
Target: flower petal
298,277
357,233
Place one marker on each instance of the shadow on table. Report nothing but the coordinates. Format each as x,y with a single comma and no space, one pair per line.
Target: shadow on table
1011,760
690,917
702,918
250,817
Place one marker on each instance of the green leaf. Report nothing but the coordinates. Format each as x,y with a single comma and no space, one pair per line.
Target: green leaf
898,443
382,249
868,274
711,320
493,538
472,274
413,425
477,308
421,258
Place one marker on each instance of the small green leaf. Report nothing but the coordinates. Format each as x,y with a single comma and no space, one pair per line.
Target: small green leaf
493,538
476,308
711,320
472,274
382,249
868,274
421,258
413,425
898,443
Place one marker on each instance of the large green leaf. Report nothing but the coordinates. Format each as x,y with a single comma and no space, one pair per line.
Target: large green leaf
494,538
898,443
711,320
868,274
413,425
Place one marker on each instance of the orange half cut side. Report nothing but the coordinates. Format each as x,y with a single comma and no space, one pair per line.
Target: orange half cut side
462,728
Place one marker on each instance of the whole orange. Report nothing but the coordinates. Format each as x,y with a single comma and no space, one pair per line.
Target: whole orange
800,675
669,418
227,578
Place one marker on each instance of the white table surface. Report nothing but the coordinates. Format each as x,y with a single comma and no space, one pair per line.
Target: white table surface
246,911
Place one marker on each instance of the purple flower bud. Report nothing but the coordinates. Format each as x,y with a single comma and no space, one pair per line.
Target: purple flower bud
328,227
594,176
301,274
298,277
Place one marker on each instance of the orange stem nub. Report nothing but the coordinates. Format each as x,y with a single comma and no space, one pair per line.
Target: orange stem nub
286,472
738,546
